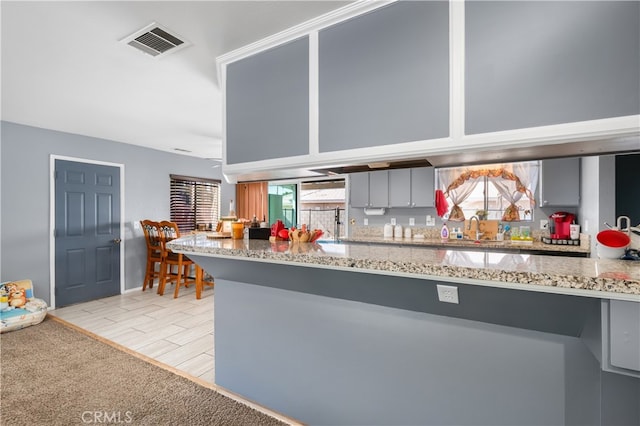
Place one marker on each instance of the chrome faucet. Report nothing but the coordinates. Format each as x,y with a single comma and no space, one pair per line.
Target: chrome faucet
478,233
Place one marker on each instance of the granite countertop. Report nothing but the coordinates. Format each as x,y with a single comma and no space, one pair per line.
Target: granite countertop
536,246
601,278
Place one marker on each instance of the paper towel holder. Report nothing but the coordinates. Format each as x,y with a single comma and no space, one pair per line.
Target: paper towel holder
374,212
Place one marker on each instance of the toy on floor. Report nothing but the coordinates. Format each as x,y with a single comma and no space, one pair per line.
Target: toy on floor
18,307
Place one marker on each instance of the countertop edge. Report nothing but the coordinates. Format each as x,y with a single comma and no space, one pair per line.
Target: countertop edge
524,281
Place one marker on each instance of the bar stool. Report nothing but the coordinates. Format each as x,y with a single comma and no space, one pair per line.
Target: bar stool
154,252
170,260
201,281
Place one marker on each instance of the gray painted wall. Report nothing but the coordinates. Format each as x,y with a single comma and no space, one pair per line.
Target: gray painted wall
25,179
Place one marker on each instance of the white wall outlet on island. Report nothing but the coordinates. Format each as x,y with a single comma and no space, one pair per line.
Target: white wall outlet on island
366,221
544,223
447,293
412,221
393,220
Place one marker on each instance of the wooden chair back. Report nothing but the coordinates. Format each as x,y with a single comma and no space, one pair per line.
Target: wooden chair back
152,235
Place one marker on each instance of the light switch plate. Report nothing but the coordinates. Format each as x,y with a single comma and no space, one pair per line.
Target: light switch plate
366,221
412,221
393,220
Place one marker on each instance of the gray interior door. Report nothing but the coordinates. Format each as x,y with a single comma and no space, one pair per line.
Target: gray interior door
87,232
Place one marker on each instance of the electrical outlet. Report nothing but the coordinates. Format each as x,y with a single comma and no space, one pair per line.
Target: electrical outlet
544,223
412,221
431,221
393,220
136,224
366,221
447,293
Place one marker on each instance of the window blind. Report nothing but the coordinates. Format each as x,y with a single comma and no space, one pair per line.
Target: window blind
194,201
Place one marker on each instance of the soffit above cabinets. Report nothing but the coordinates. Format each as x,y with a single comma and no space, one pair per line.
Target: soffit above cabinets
539,152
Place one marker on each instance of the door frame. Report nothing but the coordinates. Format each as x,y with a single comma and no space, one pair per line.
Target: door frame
52,218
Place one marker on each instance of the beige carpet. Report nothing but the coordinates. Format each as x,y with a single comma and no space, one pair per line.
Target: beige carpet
53,374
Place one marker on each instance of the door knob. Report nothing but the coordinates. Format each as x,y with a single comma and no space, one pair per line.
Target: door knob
117,241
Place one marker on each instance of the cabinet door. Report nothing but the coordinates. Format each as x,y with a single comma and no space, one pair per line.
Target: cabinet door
267,104
384,77
422,187
535,63
625,334
379,189
359,189
560,182
400,188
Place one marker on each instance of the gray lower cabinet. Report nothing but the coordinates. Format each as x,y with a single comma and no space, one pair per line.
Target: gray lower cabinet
560,182
620,339
384,77
369,189
536,63
411,187
267,104
624,334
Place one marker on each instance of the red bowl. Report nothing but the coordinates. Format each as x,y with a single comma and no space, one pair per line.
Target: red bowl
613,238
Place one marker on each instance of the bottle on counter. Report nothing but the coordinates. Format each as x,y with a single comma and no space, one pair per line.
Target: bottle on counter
408,233
444,232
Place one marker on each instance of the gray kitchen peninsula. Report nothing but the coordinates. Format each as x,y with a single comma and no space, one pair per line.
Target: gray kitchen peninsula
344,333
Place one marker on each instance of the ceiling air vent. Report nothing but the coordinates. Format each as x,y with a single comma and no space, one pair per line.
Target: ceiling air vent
156,40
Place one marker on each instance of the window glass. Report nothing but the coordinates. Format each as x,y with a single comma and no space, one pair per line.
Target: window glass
194,202
493,191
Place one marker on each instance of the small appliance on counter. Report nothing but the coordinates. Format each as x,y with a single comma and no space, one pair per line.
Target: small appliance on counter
561,227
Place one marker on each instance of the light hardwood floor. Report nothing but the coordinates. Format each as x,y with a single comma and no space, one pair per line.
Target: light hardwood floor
177,332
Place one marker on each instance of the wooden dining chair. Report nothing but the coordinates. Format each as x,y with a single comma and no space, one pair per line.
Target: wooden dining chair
153,268
175,267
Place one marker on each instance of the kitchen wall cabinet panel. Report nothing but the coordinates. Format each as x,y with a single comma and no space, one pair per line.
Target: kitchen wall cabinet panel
369,189
267,104
560,182
379,189
384,77
423,187
532,63
402,80
411,187
359,189
400,188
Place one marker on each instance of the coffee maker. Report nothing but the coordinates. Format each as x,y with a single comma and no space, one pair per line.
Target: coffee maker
560,222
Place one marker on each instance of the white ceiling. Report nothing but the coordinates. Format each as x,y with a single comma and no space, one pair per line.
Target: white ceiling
64,67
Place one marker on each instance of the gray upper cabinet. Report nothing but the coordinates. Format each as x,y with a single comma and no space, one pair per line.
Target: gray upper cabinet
267,104
423,187
379,188
535,63
359,189
411,187
400,188
384,77
369,189
560,182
